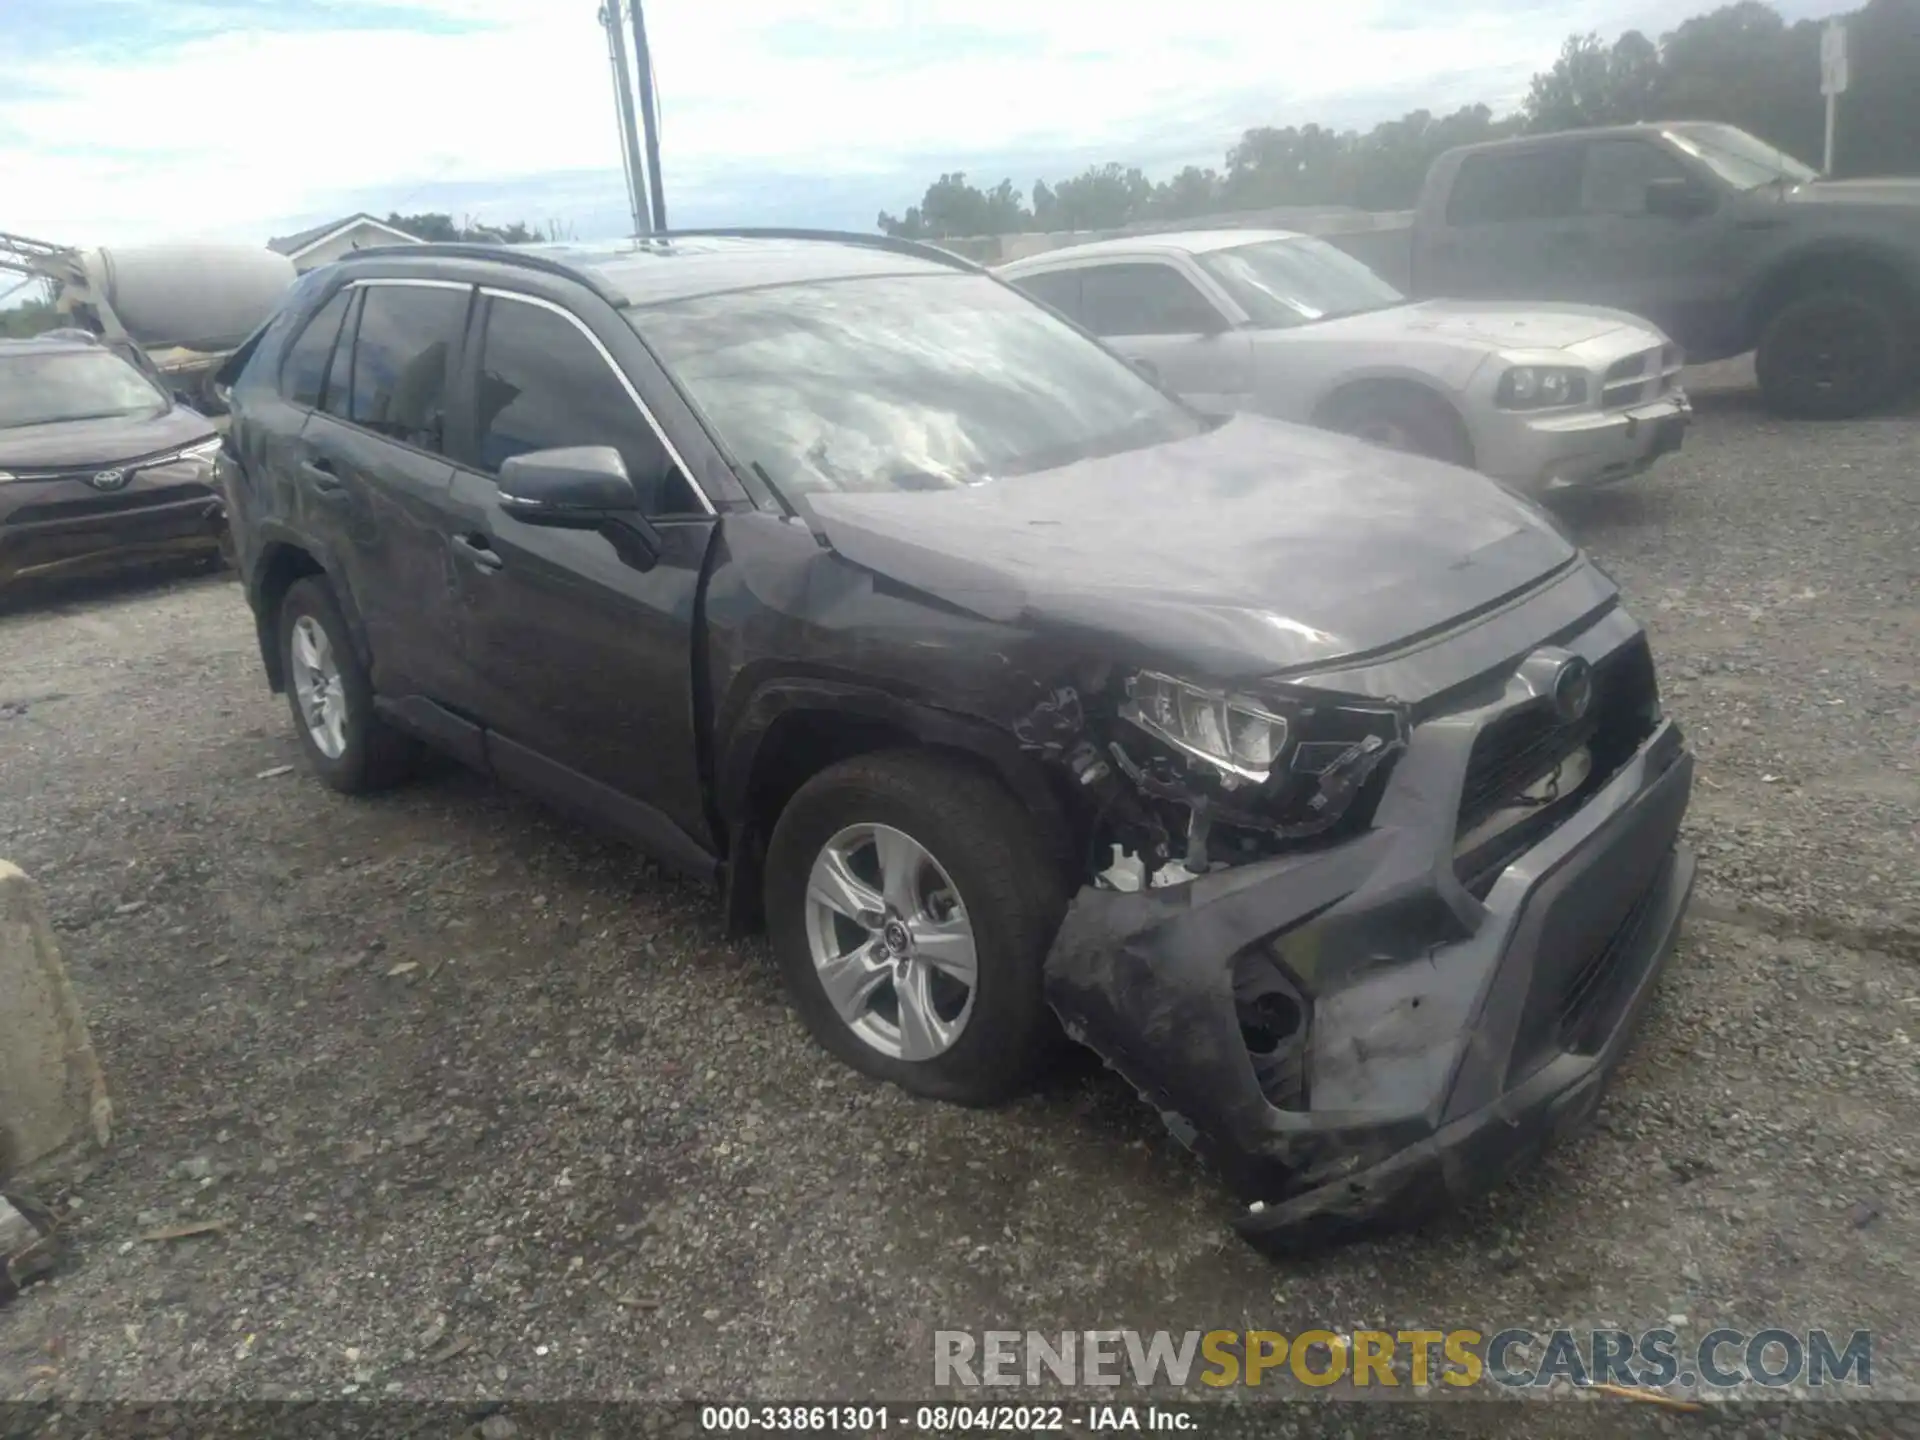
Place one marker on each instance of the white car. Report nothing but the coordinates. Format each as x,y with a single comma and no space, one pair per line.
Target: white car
1538,396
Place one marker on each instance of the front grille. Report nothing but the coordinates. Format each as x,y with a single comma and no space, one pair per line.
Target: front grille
1589,989
1516,750
117,502
1640,378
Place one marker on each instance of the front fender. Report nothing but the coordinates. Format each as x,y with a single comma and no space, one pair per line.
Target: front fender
773,701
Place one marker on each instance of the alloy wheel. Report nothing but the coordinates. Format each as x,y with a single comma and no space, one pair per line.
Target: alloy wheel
891,942
318,688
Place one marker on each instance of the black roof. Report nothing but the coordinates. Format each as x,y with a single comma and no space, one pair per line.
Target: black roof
650,270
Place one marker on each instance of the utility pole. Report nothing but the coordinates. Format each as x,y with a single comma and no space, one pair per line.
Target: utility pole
623,97
649,116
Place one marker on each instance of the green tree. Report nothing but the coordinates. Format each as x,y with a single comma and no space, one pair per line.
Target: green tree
953,207
1593,83
1741,64
432,225
29,318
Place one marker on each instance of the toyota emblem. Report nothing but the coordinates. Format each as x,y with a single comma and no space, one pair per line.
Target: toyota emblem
109,480
1573,690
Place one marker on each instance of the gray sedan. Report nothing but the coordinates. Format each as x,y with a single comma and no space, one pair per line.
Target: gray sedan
1538,396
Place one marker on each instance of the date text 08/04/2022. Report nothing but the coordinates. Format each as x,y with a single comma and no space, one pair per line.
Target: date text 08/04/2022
943,1418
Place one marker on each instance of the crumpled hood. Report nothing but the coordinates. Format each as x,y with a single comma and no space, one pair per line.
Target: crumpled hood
1255,548
1887,190
1495,324
77,443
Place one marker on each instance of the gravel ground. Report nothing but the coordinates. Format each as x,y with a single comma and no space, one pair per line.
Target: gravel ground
490,1111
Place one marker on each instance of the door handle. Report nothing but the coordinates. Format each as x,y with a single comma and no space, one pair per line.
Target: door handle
477,551
320,473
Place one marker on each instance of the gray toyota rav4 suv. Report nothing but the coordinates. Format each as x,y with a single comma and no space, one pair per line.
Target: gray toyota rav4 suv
1324,791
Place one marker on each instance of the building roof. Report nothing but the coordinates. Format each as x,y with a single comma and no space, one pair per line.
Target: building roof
296,245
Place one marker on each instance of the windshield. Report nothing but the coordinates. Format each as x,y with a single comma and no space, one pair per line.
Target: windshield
1297,281
901,383
1738,158
46,388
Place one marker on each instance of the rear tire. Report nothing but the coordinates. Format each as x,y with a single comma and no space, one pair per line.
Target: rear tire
1833,353
1401,417
987,867
330,694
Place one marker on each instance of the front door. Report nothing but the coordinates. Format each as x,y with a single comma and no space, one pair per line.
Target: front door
1153,314
1667,269
574,655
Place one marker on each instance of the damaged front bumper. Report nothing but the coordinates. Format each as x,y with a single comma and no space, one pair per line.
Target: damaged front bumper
1429,1037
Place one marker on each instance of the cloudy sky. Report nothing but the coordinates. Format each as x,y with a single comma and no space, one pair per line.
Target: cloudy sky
123,121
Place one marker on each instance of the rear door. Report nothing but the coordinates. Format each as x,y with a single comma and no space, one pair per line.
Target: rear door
1151,311
1511,228
581,663
372,480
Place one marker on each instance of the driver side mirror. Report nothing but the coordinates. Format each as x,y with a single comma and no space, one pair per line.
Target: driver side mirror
1678,197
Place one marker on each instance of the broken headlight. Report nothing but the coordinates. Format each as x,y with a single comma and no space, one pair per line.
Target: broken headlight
1234,734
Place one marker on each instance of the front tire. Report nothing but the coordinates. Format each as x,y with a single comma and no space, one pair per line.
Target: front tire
1832,354
1401,417
910,905
330,693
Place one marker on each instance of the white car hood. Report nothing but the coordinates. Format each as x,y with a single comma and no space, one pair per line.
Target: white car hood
1489,324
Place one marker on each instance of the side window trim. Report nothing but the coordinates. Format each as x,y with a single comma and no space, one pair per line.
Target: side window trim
606,358
341,357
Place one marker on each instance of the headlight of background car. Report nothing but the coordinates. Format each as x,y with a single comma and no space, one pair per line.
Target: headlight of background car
1235,735
1541,387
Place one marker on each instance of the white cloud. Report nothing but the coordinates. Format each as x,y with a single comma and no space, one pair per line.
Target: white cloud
238,133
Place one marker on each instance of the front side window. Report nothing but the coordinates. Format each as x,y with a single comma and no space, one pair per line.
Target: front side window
901,382
1498,186
1143,299
545,386
303,378
401,351
49,388
1295,282
1613,181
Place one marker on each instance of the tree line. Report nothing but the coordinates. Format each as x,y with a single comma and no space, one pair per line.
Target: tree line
1742,64
433,225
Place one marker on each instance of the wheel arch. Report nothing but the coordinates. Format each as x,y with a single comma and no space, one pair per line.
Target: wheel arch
1352,388
791,730
282,563
1849,264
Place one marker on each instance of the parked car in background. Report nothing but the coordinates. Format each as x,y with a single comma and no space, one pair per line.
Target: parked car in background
1323,790
1538,396
1725,242
99,467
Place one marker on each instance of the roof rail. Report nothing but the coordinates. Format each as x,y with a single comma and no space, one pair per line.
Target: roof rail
499,254
536,259
868,239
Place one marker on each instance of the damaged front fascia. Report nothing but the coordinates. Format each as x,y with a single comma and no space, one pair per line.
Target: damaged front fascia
1163,808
